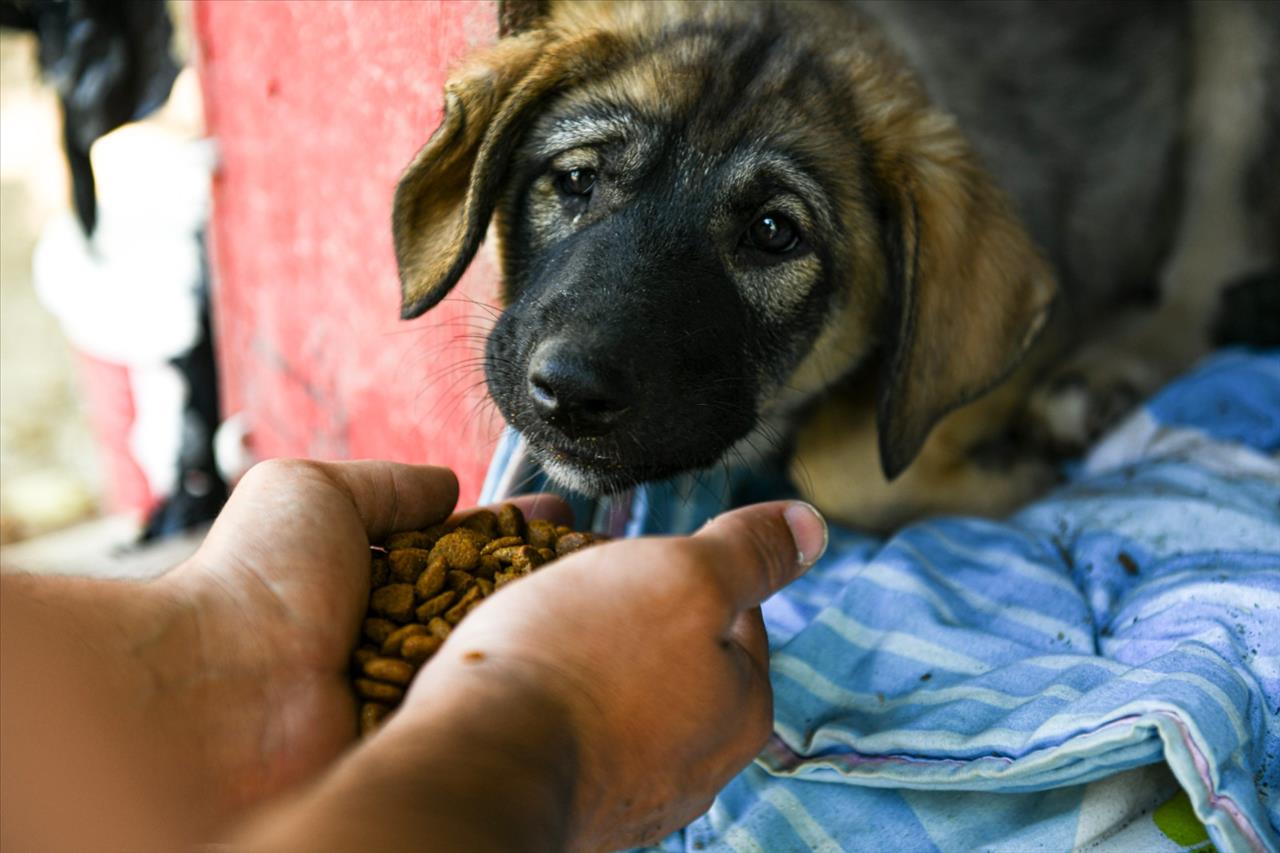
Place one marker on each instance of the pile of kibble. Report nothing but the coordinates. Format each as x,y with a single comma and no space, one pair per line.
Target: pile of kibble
424,582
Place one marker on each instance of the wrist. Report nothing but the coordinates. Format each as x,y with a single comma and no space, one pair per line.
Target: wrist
478,762
131,648
198,697
220,707
504,756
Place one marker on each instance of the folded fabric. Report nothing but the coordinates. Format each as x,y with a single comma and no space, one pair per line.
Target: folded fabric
1046,682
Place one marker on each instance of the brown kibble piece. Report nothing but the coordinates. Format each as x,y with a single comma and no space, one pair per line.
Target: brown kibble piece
407,564
563,530
475,536
362,654
378,629
459,581
379,571
391,645
439,628
507,556
546,554
504,542
481,521
511,521
528,557
489,566
410,539
371,716
485,586
378,691
389,670
417,650
433,607
542,534
455,613
431,581
501,579
570,542
394,601
458,550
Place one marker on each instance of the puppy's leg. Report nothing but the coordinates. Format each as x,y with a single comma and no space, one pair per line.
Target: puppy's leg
837,464
1128,358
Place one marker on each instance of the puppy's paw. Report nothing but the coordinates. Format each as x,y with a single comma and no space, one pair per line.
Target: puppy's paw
1077,405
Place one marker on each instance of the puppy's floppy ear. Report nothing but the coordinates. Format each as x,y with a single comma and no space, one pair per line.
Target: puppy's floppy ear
967,289
446,197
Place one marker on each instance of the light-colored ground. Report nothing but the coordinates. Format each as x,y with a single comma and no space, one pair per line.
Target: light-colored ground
49,470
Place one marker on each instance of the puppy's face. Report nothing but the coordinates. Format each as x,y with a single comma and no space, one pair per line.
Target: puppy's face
706,223
672,256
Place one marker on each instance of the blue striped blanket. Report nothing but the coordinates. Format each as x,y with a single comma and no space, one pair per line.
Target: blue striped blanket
1101,671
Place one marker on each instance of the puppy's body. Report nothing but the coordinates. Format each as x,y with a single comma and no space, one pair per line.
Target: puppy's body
730,223
1077,111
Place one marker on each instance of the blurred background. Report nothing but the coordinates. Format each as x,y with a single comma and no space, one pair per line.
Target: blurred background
197,265
58,408
50,474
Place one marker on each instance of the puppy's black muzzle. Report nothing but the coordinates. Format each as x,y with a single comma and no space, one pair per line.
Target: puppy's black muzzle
624,354
576,393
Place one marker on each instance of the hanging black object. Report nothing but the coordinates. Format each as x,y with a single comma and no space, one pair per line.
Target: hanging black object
109,61
199,490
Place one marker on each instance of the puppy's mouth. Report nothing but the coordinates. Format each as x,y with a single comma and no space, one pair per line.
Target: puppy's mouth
595,471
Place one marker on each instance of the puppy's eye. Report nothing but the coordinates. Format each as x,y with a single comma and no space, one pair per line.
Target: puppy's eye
773,233
577,182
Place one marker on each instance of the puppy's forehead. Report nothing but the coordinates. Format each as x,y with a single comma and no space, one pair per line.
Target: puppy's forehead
580,123
726,95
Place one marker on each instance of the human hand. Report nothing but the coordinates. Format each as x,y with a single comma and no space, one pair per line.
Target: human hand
277,592
646,660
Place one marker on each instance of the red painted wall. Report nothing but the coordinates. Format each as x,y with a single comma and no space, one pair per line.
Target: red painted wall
108,402
317,107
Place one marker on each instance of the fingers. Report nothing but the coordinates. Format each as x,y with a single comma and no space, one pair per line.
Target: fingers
759,549
393,496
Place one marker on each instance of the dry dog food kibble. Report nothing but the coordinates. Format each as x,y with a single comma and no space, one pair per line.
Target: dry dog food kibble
426,581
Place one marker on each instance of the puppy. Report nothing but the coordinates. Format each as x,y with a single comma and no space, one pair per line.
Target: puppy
828,228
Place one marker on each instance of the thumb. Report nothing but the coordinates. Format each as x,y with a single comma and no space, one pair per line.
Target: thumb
394,496
762,548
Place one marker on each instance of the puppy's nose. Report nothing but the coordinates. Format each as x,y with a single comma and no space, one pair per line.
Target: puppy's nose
575,393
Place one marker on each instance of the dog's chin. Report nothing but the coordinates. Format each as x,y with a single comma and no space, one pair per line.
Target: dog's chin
596,477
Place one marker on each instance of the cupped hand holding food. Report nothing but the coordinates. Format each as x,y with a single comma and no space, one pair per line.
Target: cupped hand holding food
655,652
276,594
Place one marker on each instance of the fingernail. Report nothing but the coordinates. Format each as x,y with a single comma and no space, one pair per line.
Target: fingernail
809,529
